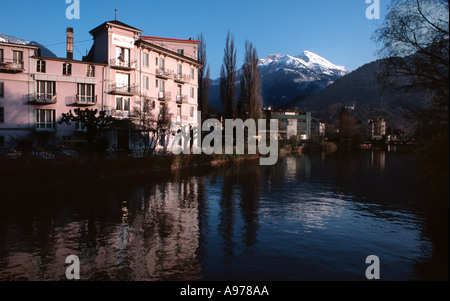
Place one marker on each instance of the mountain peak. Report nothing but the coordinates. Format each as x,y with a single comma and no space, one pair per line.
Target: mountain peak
305,60
317,60
13,40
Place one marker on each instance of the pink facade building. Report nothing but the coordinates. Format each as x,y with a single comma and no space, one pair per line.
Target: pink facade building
122,71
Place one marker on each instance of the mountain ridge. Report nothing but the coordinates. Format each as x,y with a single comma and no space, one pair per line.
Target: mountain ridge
45,52
284,77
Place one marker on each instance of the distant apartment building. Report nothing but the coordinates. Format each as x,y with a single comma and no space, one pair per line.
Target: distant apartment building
373,129
123,71
291,123
318,128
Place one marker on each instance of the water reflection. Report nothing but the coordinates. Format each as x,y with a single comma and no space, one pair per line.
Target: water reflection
310,217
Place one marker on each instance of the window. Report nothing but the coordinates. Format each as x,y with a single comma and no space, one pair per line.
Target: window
17,57
1,55
192,92
90,72
145,82
45,90
156,83
122,81
192,112
192,73
180,51
179,90
179,110
145,60
2,141
45,119
123,104
156,61
85,93
162,64
162,86
2,89
2,115
67,69
40,66
122,57
180,70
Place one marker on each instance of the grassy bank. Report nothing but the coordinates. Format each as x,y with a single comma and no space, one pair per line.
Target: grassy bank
27,172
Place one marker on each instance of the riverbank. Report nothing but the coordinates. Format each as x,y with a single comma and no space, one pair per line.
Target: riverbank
28,172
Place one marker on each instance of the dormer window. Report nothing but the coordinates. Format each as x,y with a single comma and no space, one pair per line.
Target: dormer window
90,72
67,69
40,66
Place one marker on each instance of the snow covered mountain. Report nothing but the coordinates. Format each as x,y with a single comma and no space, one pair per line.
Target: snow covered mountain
307,61
9,39
285,77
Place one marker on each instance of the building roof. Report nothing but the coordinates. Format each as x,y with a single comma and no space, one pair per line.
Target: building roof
169,39
116,23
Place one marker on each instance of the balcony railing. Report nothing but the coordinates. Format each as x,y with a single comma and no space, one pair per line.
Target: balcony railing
42,98
45,126
85,100
123,89
11,66
123,64
120,114
182,78
182,98
164,73
162,95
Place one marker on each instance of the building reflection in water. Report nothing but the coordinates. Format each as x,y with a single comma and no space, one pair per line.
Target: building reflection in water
378,160
145,233
232,222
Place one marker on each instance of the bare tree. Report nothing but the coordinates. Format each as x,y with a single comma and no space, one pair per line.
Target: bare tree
415,43
348,130
145,122
251,83
204,81
154,127
90,121
161,129
228,79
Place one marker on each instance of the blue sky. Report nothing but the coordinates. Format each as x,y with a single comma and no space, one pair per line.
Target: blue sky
337,30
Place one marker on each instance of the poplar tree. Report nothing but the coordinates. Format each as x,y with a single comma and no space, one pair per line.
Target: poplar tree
228,79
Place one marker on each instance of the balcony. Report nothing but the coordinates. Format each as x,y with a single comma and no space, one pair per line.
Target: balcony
119,114
128,90
44,126
122,64
11,66
42,99
164,95
182,78
182,98
84,100
164,73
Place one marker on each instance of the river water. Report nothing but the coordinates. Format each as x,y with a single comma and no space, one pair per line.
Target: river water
310,217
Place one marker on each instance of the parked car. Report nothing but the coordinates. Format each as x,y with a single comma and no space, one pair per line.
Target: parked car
43,155
69,153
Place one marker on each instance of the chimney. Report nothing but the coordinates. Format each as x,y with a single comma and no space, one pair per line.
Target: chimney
70,43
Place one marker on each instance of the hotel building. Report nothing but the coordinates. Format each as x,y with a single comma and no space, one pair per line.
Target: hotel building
123,71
